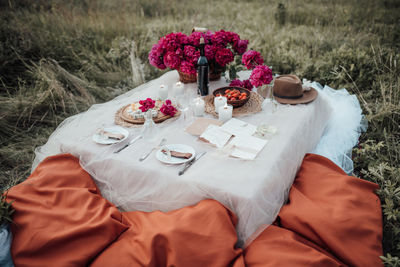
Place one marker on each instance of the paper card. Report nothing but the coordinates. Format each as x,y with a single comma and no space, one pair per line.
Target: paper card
237,127
216,136
200,125
247,147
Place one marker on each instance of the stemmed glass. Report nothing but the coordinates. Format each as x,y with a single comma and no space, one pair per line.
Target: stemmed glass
183,101
270,96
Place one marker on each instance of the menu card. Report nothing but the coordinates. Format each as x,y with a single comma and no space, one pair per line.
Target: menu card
247,146
237,127
244,144
216,136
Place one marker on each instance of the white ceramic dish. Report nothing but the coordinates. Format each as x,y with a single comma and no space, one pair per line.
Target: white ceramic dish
175,147
99,138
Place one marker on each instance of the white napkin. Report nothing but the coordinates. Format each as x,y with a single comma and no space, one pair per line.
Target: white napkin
216,136
247,146
237,127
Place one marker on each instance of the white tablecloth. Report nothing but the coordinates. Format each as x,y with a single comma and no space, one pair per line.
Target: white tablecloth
253,190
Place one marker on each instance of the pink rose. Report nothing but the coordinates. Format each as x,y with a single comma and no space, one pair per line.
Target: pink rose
251,59
261,75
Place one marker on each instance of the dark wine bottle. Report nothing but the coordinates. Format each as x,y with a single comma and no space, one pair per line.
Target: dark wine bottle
202,71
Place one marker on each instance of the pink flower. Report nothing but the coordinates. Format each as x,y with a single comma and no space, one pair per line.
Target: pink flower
220,38
155,57
261,75
236,82
241,46
168,109
232,37
247,84
209,51
147,104
191,54
251,59
194,38
223,56
172,60
187,67
173,41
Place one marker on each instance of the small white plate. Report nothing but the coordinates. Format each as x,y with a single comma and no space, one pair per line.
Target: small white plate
175,147
98,138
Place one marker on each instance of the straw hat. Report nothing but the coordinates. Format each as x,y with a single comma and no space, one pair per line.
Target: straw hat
288,89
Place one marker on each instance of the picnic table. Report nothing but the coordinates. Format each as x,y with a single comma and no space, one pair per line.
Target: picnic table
254,190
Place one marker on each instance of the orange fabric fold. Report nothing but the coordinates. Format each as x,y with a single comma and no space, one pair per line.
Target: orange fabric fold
200,235
333,213
60,217
277,246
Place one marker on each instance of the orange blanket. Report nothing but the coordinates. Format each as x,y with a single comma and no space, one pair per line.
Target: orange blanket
61,220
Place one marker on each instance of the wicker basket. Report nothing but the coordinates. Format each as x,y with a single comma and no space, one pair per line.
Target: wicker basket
213,76
187,78
215,72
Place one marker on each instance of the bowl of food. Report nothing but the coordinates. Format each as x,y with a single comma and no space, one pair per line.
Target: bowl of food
235,96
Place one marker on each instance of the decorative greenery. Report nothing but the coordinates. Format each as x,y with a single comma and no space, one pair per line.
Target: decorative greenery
60,57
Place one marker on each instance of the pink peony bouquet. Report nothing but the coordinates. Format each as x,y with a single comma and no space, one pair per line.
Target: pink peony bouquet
181,52
260,75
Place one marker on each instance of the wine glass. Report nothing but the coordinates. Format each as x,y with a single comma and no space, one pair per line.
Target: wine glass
183,102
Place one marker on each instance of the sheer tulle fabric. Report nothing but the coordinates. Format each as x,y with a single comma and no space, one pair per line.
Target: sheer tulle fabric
344,126
254,190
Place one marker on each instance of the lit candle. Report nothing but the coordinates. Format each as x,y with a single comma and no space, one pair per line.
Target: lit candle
199,107
178,88
219,101
225,113
163,92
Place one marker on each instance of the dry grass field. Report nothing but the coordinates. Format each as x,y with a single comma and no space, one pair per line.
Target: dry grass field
57,58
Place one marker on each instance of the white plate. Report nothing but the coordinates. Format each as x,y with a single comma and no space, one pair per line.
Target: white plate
98,138
175,147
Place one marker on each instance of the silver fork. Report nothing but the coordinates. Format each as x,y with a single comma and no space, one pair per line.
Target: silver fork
148,153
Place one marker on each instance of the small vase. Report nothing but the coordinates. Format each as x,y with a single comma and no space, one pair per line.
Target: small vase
265,91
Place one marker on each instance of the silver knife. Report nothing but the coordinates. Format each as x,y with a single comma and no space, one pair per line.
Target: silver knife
128,144
190,163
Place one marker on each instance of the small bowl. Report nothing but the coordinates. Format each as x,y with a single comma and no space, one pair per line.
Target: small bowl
234,103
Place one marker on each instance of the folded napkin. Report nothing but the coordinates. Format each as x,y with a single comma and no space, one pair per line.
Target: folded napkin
177,154
216,136
247,146
116,136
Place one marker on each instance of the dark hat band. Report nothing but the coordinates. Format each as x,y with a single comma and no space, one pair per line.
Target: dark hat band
288,97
